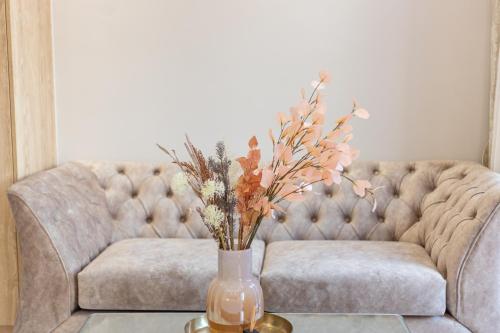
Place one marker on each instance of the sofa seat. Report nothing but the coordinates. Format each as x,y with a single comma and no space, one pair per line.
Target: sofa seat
352,277
153,274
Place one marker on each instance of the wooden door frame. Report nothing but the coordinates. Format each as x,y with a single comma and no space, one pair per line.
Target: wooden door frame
29,126
8,244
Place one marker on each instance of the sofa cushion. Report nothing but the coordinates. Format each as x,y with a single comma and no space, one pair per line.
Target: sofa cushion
351,277
153,274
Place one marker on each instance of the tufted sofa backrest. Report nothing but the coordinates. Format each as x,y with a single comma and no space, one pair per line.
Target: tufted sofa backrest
336,212
142,204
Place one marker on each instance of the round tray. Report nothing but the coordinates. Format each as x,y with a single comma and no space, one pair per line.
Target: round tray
270,323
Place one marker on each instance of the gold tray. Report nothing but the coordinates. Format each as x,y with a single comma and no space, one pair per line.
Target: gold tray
270,323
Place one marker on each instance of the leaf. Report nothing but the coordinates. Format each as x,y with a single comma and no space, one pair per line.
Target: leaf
282,118
267,178
253,143
324,76
271,136
342,120
361,113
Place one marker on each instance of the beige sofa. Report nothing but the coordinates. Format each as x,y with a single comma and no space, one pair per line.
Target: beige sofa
114,236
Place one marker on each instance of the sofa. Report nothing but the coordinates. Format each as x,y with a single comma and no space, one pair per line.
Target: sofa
111,236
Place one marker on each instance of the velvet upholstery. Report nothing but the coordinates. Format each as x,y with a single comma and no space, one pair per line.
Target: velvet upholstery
154,274
478,287
142,203
68,215
74,323
436,324
352,277
63,223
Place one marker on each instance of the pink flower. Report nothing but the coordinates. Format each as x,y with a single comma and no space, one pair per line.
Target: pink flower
348,138
313,134
314,151
324,76
263,206
342,120
282,170
343,147
300,109
354,153
345,159
331,161
291,192
267,178
346,128
333,135
271,136
283,153
292,129
332,176
283,118
318,118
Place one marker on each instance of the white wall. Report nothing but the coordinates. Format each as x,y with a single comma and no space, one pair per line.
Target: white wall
133,73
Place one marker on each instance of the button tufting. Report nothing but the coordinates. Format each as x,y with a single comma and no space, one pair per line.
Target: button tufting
281,218
403,199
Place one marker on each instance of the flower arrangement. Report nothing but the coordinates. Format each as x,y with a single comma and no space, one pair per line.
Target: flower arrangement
303,154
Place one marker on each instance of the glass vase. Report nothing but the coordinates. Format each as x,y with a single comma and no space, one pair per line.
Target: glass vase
234,299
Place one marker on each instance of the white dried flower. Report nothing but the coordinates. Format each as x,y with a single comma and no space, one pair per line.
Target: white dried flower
212,188
219,188
213,215
179,183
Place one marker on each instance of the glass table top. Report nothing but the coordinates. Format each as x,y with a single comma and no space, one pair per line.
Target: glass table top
164,322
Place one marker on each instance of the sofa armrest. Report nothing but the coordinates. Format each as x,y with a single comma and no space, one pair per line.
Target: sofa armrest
460,229
478,285
62,224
